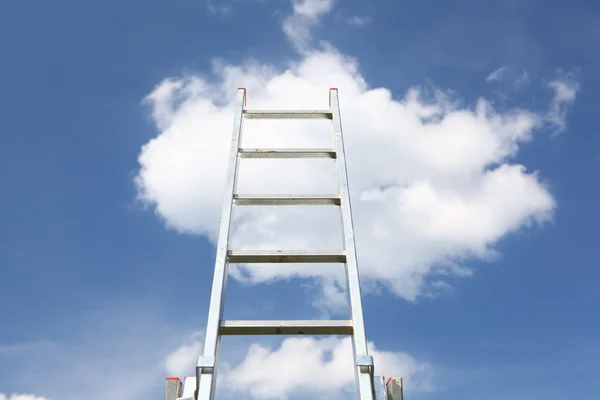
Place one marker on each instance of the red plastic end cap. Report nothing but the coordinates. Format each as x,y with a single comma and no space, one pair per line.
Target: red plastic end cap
173,378
244,89
390,378
330,89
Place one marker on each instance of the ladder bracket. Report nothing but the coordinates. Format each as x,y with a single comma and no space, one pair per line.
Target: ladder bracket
365,361
206,362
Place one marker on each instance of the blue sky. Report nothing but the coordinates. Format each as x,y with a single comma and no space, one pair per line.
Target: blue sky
97,292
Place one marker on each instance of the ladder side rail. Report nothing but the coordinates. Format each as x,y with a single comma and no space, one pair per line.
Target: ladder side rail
363,362
395,388
206,370
173,389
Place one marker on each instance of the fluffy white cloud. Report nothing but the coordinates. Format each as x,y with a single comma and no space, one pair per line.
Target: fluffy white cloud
20,397
301,366
182,361
306,14
321,368
432,184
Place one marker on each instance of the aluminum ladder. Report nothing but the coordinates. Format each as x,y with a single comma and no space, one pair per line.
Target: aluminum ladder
368,387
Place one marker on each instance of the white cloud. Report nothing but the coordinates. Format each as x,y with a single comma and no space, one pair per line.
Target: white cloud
519,79
182,361
433,185
496,75
305,16
321,368
565,90
112,356
219,8
20,397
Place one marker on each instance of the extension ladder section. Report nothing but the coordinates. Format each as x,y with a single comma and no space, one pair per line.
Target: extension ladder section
368,387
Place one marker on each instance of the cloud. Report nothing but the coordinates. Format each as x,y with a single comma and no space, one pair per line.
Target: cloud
305,16
112,356
359,21
519,79
20,397
565,89
496,75
321,368
433,185
182,361
220,9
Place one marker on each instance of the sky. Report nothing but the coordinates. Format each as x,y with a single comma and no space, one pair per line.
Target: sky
471,137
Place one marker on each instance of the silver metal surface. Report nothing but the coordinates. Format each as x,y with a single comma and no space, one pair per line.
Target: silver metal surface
395,389
309,327
287,200
281,256
379,388
364,360
173,389
359,338
287,114
206,362
206,378
287,153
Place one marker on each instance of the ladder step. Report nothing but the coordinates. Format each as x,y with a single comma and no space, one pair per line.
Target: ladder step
308,327
280,256
287,153
287,114
286,200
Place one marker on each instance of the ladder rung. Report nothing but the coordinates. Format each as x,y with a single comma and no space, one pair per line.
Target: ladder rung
308,327
280,256
286,200
287,114
287,153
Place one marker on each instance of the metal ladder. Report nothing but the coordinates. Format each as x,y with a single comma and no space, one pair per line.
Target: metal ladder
368,386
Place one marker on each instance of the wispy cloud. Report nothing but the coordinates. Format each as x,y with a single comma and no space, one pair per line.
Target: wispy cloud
20,397
124,344
496,75
359,21
217,7
305,16
565,91
521,80
518,80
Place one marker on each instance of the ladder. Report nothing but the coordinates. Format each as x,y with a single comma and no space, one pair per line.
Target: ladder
368,387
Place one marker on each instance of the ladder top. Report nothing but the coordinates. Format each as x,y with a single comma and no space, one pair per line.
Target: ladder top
330,90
